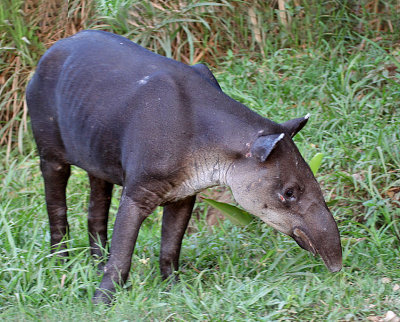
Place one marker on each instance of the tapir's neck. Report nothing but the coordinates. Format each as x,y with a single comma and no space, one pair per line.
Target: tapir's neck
204,171
224,132
228,128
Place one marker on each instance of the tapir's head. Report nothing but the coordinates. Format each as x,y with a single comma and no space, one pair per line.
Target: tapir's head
274,183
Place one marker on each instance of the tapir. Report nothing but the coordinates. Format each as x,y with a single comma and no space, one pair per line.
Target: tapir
164,131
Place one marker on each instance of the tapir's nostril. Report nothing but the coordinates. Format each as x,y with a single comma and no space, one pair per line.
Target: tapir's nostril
303,240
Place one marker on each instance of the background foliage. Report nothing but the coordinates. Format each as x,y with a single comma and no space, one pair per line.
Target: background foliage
338,60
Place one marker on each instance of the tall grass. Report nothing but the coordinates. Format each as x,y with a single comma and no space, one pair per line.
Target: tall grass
256,27
18,57
26,29
190,31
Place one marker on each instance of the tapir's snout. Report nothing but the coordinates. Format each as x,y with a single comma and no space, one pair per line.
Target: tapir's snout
321,238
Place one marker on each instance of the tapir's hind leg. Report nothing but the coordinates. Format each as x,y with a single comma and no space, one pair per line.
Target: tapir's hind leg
175,220
55,175
100,200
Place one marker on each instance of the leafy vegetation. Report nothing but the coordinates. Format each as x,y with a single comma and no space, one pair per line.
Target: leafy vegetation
233,213
341,66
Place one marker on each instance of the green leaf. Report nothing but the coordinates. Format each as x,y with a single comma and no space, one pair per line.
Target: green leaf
315,162
233,213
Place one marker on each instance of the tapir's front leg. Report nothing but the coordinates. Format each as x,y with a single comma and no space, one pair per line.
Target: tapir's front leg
126,229
175,220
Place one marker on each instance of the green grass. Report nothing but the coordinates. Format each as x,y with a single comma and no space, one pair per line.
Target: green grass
232,273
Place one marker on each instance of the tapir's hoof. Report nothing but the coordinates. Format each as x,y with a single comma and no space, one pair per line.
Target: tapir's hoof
102,296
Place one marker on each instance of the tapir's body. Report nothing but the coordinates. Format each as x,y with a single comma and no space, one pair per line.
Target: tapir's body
164,131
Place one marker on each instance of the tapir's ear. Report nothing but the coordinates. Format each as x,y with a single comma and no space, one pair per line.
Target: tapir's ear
294,126
263,146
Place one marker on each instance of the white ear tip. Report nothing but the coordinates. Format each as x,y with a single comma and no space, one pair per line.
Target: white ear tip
280,137
307,116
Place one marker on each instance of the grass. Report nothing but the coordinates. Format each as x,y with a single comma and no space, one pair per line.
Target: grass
232,273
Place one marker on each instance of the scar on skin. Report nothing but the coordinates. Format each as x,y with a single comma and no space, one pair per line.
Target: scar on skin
281,197
144,80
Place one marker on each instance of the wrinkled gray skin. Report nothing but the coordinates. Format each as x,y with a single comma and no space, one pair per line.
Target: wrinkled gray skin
164,131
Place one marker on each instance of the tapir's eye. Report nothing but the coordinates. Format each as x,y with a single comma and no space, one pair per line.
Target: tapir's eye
289,193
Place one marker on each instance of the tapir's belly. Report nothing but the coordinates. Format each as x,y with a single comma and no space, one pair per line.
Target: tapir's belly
101,160
107,169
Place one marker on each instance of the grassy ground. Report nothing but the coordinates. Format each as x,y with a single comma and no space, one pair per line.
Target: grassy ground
231,273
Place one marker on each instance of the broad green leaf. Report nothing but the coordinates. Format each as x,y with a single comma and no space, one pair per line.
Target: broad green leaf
233,213
315,162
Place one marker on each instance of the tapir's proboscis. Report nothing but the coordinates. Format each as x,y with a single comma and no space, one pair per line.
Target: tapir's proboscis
164,131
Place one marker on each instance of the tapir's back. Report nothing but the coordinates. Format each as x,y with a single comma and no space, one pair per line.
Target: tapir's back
96,66
82,97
